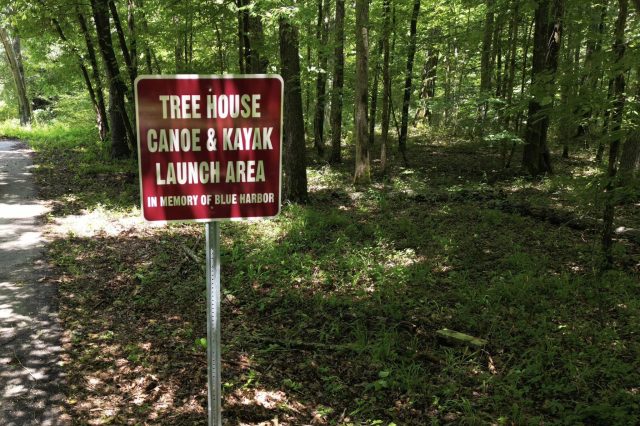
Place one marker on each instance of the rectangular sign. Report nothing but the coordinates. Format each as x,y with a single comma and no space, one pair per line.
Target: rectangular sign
209,147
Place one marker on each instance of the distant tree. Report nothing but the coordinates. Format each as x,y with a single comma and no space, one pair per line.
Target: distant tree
295,172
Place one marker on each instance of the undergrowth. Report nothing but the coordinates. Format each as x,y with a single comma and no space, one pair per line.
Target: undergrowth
330,310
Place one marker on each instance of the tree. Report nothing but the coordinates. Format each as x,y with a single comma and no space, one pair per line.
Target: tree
386,83
322,33
338,82
546,47
295,172
103,123
402,141
119,122
485,61
614,147
13,53
362,173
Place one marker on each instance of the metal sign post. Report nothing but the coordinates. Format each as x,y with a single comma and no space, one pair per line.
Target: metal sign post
212,231
210,148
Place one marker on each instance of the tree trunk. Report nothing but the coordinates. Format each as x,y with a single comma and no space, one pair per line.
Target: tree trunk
14,58
133,37
485,59
241,64
295,172
257,62
118,118
402,142
338,82
428,86
618,109
362,173
592,66
630,156
386,84
546,41
122,40
322,35
101,116
374,97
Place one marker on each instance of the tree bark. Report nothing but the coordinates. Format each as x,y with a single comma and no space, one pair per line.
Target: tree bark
122,40
12,51
322,34
402,141
374,97
103,122
618,109
362,173
133,37
338,82
295,172
257,61
485,59
386,83
242,67
546,41
118,118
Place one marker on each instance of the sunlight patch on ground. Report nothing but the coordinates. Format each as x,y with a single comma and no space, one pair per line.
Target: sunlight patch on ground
100,221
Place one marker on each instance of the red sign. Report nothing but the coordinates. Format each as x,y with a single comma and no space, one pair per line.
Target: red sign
209,147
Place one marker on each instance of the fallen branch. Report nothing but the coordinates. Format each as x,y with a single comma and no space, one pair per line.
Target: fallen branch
191,254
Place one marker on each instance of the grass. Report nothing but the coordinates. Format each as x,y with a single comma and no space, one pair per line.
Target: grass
330,310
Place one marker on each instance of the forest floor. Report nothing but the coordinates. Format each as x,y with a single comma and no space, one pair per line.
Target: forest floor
330,311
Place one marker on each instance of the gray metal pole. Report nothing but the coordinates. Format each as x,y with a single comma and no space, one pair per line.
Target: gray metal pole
212,231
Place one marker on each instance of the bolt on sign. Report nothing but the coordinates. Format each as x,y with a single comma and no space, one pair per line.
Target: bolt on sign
209,147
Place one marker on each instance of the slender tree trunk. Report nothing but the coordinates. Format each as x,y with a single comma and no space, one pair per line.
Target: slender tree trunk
362,173
13,53
241,64
103,122
257,62
374,97
122,40
133,37
322,34
118,118
485,59
386,84
547,36
512,54
523,75
145,38
592,66
295,172
338,82
402,142
618,109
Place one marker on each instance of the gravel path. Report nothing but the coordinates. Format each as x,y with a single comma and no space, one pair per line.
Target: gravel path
30,376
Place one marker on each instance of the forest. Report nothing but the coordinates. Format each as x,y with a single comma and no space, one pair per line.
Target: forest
469,165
